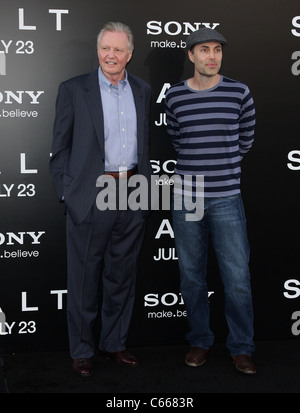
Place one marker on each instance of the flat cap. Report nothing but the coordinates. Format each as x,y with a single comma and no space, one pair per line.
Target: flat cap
204,35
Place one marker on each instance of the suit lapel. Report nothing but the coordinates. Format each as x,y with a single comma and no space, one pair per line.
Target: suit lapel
93,96
138,99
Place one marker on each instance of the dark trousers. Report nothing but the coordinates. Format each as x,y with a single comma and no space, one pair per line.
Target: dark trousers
107,244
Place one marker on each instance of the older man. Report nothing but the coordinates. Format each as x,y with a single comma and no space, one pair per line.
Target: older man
101,128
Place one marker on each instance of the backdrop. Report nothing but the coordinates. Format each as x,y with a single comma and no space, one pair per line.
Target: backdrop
45,42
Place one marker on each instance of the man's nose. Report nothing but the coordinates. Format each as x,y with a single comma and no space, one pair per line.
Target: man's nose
111,52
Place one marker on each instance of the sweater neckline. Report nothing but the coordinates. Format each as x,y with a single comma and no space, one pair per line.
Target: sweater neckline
204,90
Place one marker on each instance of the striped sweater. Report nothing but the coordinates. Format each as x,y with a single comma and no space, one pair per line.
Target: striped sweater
211,131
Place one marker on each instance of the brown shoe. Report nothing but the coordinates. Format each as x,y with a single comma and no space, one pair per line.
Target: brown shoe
82,367
122,357
196,356
244,363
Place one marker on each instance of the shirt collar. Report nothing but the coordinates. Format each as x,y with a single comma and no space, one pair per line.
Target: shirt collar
103,81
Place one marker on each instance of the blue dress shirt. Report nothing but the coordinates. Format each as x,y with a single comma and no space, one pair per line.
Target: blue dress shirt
120,128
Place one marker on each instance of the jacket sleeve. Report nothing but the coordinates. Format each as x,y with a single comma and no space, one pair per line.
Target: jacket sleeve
62,138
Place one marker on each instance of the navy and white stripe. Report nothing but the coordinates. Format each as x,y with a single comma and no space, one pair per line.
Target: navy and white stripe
211,131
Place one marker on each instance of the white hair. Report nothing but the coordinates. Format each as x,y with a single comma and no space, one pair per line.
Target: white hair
117,27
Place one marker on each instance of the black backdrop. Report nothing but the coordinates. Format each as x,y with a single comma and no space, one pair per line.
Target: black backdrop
45,42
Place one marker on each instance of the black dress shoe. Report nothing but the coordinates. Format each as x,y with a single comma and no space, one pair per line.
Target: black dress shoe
122,357
82,367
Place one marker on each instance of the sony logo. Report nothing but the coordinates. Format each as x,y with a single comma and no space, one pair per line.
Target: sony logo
296,23
12,238
292,288
174,28
294,158
18,96
168,299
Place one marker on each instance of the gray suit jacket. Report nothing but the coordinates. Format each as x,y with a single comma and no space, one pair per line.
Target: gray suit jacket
78,156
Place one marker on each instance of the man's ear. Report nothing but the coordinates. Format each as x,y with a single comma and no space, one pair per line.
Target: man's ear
191,56
129,57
